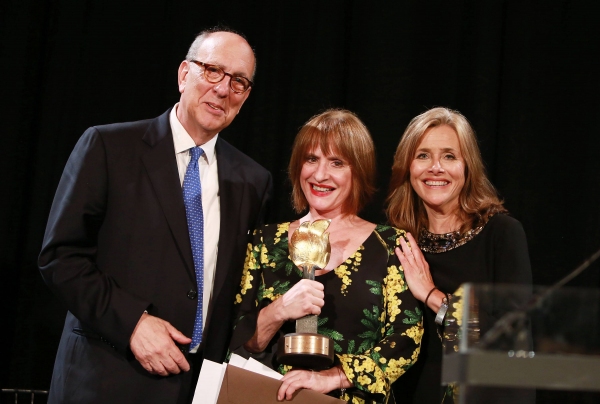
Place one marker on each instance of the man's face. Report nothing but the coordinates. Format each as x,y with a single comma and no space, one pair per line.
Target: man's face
207,108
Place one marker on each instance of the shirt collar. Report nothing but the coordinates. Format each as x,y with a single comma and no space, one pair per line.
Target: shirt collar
183,141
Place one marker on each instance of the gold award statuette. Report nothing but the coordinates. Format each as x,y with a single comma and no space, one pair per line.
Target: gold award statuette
309,250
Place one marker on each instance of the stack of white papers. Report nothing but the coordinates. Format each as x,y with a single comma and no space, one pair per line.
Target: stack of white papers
211,377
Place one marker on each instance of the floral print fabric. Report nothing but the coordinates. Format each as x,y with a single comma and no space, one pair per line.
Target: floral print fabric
375,322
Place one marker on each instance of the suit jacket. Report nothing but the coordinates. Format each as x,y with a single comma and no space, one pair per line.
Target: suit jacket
117,244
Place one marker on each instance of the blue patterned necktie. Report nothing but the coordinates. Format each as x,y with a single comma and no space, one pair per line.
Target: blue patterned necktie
192,198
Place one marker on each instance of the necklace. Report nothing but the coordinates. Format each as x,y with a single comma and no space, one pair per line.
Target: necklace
439,243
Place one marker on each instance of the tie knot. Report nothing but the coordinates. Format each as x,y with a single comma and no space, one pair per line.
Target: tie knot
195,153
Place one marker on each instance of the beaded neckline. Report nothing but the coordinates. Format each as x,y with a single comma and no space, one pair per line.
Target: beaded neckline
439,243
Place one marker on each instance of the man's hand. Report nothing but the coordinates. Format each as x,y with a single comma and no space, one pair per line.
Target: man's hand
152,344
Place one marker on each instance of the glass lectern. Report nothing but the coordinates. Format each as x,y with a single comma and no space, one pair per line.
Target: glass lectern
501,342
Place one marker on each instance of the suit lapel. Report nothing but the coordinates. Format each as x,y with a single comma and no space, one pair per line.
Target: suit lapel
161,166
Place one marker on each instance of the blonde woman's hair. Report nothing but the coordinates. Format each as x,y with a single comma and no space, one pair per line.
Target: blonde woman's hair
478,198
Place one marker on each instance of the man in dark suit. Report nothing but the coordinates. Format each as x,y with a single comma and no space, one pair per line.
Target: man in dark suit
117,247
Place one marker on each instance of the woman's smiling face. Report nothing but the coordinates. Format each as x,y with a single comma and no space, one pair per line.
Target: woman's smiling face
437,172
326,181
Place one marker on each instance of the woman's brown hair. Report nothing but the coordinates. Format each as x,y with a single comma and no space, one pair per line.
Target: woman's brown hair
340,132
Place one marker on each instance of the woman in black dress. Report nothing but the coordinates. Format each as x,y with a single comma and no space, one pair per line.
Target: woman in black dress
361,296
440,194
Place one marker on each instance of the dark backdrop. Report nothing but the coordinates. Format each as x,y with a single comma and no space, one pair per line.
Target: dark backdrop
524,72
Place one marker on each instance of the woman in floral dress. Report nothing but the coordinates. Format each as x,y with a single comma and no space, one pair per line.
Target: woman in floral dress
361,296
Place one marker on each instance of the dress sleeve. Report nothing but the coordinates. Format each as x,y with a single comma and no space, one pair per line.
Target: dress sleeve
511,256
510,266
401,330
247,298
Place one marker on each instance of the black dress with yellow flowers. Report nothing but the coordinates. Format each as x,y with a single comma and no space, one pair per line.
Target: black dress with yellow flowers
369,313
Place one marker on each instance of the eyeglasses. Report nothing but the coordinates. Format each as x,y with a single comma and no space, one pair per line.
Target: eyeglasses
214,74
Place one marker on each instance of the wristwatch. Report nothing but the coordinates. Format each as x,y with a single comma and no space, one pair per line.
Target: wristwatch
441,314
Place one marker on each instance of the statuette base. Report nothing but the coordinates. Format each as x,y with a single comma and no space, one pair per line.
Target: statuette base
306,350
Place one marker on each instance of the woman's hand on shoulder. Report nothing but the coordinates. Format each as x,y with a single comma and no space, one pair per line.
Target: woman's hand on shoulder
304,298
416,268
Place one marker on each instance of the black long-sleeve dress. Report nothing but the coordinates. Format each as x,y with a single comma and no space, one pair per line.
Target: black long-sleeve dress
494,252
